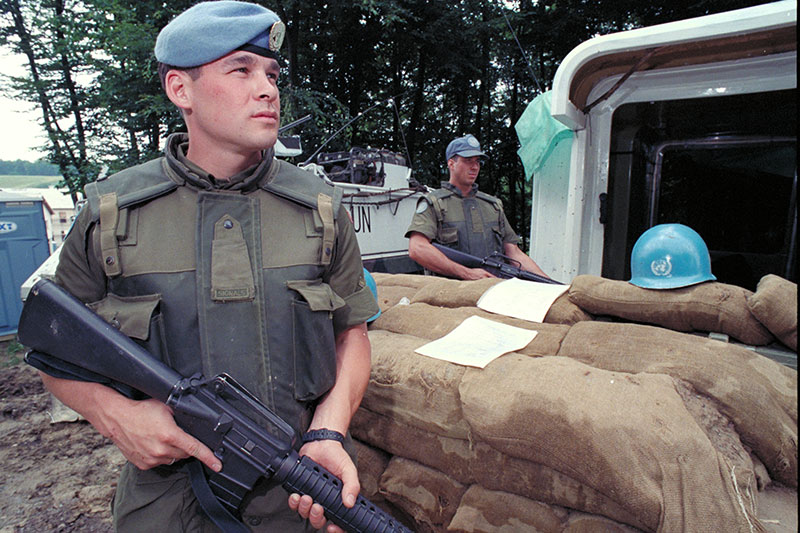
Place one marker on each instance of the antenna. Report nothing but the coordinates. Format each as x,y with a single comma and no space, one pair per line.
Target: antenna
346,124
402,133
525,57
293,124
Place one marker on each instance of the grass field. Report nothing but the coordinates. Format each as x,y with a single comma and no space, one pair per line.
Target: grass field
23,182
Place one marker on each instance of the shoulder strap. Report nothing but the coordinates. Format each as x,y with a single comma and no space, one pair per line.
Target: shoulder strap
498,205
132,186
109,218
304,188
496,202
106,197
435,198
325,208
300,186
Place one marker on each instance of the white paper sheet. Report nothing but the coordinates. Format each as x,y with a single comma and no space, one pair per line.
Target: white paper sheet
477,342
518,298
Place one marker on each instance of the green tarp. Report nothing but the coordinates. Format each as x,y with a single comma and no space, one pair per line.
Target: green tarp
538,133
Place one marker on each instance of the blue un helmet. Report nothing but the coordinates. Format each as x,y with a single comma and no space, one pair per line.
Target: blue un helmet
669,256
374,288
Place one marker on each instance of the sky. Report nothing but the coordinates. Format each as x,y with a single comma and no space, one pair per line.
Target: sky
20,132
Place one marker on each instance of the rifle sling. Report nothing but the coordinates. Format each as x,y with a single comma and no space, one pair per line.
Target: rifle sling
213,508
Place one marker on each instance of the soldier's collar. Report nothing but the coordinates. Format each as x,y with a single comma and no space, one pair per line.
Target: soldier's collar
246,181
452,188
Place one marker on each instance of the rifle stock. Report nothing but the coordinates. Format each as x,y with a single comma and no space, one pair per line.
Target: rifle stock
68,340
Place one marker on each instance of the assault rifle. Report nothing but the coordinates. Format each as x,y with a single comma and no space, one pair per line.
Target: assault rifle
68,340
498,264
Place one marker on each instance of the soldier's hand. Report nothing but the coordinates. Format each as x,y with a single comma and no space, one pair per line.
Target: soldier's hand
476,273
330,455
144,431
148,436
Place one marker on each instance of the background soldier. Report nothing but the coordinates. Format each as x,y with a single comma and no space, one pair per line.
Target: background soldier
461,217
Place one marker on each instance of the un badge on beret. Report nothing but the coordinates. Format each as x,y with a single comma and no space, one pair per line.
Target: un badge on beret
276,34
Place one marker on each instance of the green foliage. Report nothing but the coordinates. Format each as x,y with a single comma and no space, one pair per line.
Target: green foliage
28,182
28,168
11,354
453,67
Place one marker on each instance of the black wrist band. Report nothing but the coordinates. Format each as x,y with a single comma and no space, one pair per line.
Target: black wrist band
323,434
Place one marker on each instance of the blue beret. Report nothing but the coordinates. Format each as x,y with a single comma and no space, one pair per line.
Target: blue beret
466,146
209,30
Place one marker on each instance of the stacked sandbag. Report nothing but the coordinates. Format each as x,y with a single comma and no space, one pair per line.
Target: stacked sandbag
588,428
443,292
757,394
774,304
429,322
392,288
709,306
473,462
557,432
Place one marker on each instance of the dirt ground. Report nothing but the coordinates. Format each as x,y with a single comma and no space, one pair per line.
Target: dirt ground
54,477
61,477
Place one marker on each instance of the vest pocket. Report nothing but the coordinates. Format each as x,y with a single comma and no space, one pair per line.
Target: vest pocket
138,317
313,338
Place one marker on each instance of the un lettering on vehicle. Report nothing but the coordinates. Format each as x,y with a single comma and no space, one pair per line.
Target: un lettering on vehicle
362,218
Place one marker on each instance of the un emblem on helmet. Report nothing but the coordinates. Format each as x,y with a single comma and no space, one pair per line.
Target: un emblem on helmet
661,267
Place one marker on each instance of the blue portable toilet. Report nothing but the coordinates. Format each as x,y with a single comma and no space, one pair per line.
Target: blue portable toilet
23,247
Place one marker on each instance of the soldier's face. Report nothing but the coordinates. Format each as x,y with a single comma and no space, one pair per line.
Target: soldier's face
464,170
235,102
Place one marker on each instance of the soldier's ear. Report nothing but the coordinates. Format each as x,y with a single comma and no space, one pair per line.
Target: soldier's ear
178,86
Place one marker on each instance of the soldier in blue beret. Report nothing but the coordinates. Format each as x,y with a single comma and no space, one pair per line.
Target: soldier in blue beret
460,216
220,258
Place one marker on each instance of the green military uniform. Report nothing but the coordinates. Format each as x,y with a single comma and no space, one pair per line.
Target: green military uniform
473,224
254,276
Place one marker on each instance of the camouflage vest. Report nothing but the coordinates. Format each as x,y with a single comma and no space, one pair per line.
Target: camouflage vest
473,224
223,281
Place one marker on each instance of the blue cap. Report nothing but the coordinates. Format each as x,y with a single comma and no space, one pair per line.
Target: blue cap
209,30
466,146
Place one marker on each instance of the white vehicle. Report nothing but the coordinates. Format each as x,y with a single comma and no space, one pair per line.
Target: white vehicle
691,122
381,196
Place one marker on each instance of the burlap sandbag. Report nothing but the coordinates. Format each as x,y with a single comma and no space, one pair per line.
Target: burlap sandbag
455,293
708,306
417,390
429,322
390,295
563,311
415,281
485,511
475,462
756,393
371,462
774,304
427,495
628,436
586,523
